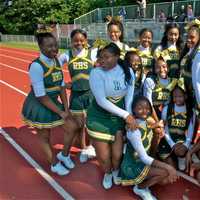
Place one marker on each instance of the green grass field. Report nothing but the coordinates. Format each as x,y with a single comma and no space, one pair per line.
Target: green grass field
23,45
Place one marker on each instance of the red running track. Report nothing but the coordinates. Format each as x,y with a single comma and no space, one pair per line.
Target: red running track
20,180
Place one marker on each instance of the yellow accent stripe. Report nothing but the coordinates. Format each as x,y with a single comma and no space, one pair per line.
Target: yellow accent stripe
176,131
43,125
51,68
115,99
80,76
84,57
56,88
99,135
49,72
76,112
138,179
48,66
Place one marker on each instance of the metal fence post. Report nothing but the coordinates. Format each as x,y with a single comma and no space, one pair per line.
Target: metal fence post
194,7
154,11
172,9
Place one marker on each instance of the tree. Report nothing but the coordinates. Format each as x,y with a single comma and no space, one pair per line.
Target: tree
24,15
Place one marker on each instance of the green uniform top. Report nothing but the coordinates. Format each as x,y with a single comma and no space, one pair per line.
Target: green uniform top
177,122
161,93
53,77
172,56
79,69
147,59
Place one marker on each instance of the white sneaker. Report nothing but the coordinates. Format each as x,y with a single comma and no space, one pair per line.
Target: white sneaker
143,193
107,181
59,169
116,178
181,163
91,152
83,156
153,197
66,160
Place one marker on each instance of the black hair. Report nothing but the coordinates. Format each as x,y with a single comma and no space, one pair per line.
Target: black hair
155,63
139,98
164,40
115,50
75,31
99,52
145,30
128,55
189,109
127,58
121,28
194,51
40,37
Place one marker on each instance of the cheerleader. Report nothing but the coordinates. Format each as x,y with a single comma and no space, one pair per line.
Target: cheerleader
41,108
179,128
112,84
138,167
80,62
170,48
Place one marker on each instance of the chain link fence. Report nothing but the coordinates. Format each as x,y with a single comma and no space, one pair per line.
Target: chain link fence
132,12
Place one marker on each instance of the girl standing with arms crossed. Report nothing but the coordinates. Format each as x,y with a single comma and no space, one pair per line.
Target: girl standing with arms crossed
112,84
41,108
138,167
79,60
170,48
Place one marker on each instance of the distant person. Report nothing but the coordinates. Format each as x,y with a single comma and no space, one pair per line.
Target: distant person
122,13
162,16
142,5
190,14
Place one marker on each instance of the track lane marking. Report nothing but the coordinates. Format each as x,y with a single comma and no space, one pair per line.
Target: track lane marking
57,187
30,160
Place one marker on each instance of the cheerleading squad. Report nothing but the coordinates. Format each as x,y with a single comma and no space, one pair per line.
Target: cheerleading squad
139,106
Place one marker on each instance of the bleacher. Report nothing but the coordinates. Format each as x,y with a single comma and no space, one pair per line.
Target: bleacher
94,21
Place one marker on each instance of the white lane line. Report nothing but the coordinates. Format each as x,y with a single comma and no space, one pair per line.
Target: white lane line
19,52
20,70
23,60
58,188
37,167
14,88
188,178
26,61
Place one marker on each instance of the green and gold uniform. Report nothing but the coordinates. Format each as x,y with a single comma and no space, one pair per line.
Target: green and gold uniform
147,60
177,123
133,171
172,56
79,69
161,93
103,125
36,114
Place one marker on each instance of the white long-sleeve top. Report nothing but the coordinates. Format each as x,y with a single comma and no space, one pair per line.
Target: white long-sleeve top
196,76
136,141
64,58
190,130
111,83
36,74
149,85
